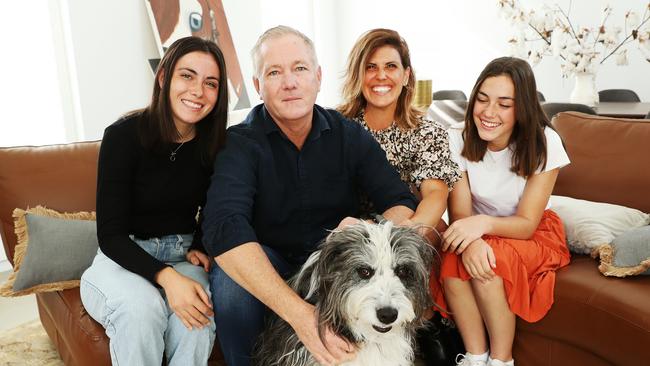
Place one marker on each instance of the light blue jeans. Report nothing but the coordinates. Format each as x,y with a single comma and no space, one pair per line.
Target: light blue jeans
135,313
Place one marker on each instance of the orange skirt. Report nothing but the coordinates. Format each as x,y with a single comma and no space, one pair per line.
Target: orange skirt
527,268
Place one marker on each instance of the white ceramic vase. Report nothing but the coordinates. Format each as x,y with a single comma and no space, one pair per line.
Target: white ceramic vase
584,89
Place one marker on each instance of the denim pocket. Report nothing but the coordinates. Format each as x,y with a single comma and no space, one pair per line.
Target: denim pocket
182,244
186,244
168,248
151,246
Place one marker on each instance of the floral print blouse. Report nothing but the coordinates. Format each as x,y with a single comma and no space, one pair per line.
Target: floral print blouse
418,153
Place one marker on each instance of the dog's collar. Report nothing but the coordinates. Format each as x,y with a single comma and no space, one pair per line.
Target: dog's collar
378,218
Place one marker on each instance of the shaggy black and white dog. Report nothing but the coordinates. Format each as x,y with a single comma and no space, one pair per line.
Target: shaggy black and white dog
370,285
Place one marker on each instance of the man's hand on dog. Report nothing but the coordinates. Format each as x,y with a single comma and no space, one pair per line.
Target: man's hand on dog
333,351
347,221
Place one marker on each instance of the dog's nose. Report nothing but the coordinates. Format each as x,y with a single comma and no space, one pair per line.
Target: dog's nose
387,315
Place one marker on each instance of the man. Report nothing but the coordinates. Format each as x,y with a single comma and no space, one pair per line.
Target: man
288,174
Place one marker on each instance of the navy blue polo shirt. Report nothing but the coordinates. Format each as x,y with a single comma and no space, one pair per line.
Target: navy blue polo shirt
265,190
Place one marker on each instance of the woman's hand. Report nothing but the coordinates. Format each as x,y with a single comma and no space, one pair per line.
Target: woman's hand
463,232
428,232
332,350
347,221
479,260
186,298
196,257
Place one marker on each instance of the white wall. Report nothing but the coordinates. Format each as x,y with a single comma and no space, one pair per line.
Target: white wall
635,76
450,43
245,22
29,83
111,41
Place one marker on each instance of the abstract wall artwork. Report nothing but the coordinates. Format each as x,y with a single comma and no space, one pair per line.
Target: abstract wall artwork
174,19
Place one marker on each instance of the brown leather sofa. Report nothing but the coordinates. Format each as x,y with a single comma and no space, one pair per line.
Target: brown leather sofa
63,178
596,320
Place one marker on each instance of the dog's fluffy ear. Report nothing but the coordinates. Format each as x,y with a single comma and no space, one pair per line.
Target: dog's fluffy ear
425,247
306,281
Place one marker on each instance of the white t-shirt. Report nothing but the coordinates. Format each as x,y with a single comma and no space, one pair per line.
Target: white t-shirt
496,191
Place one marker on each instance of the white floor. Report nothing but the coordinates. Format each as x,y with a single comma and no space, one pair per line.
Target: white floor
16,310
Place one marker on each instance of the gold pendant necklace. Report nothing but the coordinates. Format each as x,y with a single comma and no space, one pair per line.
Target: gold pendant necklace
172,156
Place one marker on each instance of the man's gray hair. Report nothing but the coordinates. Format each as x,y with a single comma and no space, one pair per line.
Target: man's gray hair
276,32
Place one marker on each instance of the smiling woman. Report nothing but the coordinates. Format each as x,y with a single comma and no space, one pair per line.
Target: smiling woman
193,92
378,90
494,113
504,243
378,93
153,172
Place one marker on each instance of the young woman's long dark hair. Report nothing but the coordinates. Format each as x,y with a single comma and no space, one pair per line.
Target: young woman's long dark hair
527,140
157,129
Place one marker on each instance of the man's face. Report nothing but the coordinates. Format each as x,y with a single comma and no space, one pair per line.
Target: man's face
289,80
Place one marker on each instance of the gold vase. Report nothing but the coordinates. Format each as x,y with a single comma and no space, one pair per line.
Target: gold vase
423,93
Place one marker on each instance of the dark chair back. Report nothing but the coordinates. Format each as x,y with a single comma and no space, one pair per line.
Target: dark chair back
540,96
449,95
551,109
618,95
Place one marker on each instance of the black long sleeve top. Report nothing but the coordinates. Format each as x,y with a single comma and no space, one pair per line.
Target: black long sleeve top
144,193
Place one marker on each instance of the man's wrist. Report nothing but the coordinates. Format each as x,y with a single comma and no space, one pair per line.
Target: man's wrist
298,312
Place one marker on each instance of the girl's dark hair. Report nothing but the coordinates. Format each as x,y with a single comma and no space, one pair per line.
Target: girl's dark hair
527,140
156,127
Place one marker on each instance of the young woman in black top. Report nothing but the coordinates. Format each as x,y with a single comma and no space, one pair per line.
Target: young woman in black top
148,285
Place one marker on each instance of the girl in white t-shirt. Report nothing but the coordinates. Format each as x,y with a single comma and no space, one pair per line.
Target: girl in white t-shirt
504,243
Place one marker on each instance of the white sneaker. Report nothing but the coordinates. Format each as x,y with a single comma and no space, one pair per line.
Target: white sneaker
493,362
466,360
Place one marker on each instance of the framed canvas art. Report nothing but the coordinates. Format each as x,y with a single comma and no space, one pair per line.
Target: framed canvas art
174,19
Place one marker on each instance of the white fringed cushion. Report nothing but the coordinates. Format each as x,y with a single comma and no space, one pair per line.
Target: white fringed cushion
589,225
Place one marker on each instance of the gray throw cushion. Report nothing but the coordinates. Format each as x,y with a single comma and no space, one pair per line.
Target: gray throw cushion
627,255
632,248
59,250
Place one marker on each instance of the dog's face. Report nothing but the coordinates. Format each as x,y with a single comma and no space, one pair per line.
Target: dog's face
370,279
